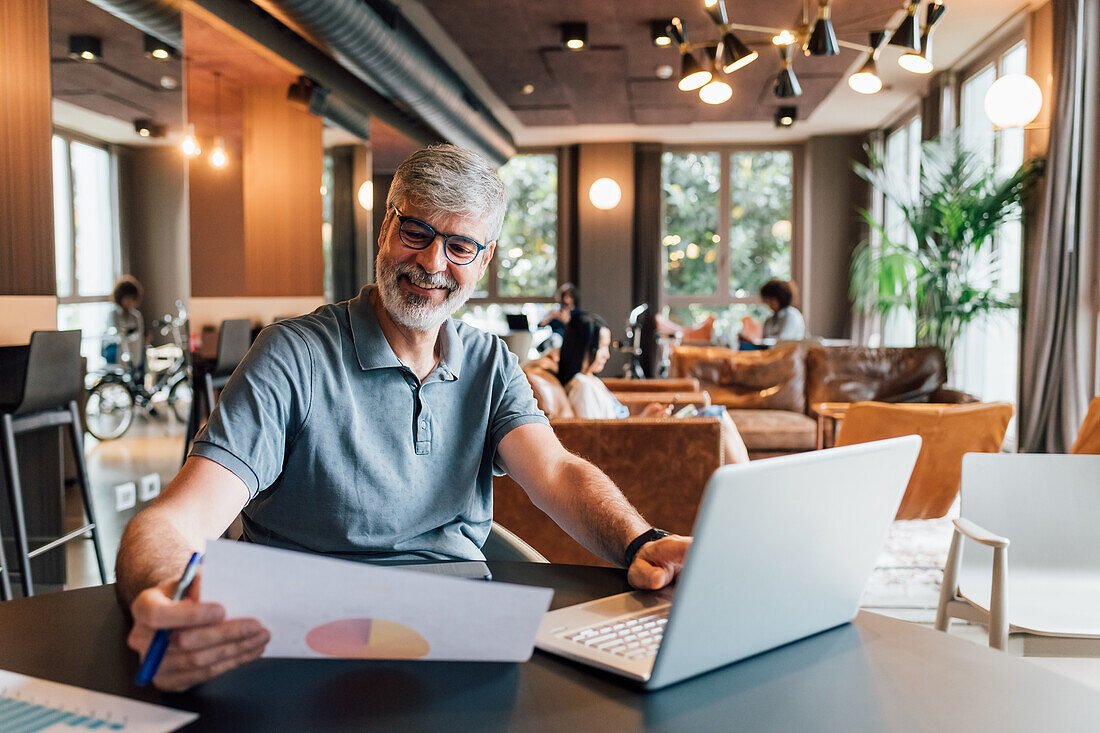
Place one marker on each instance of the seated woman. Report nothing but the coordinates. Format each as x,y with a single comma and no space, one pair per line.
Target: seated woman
784,324
584,353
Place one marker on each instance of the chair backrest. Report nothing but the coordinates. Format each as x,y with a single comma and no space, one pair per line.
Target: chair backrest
1088,439
859,373
503,544
772,379
1045,504
234,339
549,394
54,375
948,431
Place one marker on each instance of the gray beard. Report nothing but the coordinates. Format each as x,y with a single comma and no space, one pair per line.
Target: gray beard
415,311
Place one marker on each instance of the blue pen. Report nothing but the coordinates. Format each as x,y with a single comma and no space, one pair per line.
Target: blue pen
156,650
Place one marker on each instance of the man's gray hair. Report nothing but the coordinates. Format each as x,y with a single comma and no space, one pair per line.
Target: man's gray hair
452,180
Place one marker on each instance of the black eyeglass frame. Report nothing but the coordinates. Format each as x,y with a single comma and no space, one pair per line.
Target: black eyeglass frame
401,219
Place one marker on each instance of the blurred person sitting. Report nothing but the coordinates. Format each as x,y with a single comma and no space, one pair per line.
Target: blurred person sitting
585,351
784,324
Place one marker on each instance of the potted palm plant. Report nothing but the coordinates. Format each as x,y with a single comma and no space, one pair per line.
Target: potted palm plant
942,273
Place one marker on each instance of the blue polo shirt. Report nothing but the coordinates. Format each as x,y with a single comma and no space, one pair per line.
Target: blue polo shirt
346,452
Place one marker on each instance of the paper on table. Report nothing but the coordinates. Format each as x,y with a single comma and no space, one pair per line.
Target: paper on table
29,704
318,606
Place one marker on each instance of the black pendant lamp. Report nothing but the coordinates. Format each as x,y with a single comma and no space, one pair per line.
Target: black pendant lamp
786,84
908,33
735,54
921,61
823,39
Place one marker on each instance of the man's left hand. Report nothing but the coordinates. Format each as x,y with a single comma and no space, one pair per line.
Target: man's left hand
658,562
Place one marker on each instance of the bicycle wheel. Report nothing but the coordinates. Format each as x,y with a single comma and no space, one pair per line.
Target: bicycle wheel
179,399
109,411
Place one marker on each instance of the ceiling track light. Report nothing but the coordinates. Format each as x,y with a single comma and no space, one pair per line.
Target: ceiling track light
823,39
574,36
785,116
659,32
158,49
907,35
921,61
148,128
85,48
786,83
867,80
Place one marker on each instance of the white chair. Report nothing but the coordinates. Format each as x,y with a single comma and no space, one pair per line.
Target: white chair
503,544
1048,507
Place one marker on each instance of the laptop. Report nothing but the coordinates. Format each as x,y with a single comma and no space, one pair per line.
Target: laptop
517,322
783,548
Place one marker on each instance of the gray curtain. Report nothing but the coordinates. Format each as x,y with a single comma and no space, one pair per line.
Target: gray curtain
1058,333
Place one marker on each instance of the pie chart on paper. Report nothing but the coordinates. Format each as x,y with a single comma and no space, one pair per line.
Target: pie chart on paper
366,638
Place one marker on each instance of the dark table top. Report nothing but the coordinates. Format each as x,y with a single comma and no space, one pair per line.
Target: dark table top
875,674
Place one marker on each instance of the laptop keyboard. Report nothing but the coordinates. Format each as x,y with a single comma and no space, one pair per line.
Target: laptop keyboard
635,637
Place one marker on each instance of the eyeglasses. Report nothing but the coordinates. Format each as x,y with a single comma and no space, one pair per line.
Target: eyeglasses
417,234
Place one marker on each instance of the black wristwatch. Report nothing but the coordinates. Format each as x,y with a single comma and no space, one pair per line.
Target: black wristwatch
636,544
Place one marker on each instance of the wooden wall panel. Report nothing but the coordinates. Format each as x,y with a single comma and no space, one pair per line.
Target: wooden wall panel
26,196
283,159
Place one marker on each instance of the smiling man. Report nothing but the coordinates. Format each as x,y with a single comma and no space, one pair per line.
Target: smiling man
370,430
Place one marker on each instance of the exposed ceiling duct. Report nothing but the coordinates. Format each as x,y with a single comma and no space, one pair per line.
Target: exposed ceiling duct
351,102
390,53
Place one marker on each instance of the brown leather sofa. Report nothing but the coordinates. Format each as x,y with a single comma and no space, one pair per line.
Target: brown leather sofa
660,464
771,393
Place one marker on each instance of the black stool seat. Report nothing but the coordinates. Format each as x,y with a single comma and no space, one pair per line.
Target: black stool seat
42,383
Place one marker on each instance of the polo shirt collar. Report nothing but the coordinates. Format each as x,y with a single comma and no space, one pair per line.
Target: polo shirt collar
373,350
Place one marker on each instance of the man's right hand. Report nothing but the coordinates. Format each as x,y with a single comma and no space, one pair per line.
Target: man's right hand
202,643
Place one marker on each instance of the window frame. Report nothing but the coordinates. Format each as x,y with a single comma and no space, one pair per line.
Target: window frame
723,296
561,270
71,137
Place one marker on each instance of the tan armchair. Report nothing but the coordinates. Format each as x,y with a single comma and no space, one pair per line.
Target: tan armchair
1088,439
660,464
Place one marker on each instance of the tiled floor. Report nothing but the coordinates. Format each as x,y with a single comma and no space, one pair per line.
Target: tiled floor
905,585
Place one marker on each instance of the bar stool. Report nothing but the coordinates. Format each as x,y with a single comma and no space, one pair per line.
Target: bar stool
50,382
234,340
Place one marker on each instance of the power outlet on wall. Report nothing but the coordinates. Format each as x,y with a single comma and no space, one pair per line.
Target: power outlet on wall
125,496
150,486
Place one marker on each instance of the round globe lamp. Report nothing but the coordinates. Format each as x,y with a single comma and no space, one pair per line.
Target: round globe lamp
1013,101
605,194
365,195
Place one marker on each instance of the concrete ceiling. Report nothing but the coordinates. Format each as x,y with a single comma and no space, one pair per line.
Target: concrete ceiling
611,91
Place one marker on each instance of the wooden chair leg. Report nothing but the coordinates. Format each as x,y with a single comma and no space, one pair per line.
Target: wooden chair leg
5,581
77,445
15,502
950,585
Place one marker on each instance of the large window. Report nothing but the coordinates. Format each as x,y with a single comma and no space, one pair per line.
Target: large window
523,274
85,238
986,356
727,230
901,155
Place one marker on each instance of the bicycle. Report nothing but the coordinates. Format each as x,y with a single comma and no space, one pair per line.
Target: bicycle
121,389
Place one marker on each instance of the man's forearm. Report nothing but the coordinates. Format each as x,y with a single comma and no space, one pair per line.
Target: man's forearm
152,550
591,508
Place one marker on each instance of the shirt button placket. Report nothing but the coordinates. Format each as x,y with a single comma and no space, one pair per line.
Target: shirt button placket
423,431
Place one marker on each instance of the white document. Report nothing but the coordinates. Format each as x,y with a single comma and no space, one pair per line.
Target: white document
28,704
320,607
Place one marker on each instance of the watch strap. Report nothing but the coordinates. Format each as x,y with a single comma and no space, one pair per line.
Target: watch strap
636,544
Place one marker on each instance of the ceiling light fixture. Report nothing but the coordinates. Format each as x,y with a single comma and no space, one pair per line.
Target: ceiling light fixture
786,84
692,74
907,35
658,31
785,116
715,91
866,80
190,144
783,38
823,39
158,49
735,54
85,48
574,36
148,128
921,62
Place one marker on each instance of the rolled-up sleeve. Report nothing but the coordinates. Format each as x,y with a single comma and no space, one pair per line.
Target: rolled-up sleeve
262,408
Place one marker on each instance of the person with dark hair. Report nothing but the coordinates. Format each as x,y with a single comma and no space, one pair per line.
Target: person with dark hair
566,296
128,324
784,324
584,353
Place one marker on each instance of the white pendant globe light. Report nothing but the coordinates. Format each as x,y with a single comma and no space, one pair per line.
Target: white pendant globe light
1013,101
365,195
605,194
